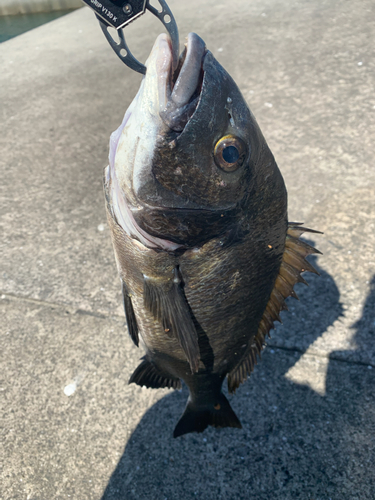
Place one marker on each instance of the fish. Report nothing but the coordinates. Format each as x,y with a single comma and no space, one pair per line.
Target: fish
197,210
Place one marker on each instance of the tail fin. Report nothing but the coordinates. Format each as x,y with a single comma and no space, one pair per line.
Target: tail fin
196,419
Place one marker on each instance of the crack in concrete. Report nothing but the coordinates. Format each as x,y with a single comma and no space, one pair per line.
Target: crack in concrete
317,354
53,305
72,310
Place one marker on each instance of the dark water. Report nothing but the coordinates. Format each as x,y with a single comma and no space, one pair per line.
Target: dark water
11,26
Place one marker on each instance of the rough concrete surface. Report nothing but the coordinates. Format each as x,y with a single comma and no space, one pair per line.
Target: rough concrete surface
71,426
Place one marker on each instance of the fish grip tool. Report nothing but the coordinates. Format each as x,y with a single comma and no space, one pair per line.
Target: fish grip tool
119,13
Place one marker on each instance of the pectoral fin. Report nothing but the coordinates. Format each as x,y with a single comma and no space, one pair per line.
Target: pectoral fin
168,304
131,320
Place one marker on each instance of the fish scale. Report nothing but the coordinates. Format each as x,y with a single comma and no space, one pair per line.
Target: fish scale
197,209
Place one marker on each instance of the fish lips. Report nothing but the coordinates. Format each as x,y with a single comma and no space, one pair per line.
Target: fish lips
179,91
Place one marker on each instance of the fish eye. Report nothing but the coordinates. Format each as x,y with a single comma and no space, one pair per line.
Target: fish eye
229,153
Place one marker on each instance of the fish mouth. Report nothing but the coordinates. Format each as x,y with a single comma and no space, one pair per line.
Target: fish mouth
179,91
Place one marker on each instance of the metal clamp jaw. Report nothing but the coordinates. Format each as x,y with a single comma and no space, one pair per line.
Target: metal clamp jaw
121,47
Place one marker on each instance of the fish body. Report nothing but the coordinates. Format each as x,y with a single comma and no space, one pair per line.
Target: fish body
198,214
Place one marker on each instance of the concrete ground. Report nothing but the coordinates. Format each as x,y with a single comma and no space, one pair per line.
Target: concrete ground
71,426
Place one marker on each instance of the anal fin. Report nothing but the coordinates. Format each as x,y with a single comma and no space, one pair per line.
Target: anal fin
148,375
131,320
168,304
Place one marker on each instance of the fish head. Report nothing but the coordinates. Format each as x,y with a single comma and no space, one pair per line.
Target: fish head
189,159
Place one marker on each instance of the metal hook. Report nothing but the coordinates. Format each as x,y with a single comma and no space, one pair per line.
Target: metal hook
166,17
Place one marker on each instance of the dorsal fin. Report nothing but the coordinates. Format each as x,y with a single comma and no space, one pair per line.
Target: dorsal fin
293,264
168,304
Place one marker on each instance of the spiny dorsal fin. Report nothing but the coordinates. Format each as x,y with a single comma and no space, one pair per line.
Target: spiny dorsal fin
293,264
131,320
168,304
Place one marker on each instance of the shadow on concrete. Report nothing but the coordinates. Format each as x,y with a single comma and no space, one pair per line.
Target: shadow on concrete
294,443
366,324
354,396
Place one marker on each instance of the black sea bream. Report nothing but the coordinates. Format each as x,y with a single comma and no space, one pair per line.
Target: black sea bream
198,214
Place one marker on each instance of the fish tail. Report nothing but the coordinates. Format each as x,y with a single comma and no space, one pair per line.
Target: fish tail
196,418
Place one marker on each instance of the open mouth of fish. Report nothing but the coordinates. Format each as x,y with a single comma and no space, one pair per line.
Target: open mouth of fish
179,91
